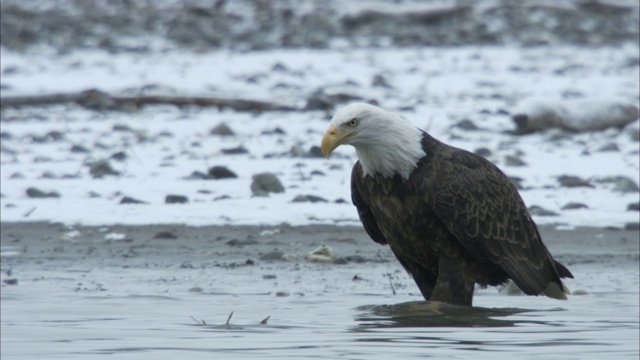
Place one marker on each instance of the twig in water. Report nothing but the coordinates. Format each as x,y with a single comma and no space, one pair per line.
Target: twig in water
264,321
229,319
201,322
30,211
393,289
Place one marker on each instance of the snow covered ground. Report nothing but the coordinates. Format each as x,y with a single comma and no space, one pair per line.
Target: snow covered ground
436,88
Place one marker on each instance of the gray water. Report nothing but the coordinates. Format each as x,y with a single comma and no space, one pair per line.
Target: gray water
70,312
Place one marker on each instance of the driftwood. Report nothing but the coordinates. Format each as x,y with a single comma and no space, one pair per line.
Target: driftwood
98,100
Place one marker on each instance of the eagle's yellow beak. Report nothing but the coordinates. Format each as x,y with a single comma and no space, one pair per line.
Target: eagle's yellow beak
331,140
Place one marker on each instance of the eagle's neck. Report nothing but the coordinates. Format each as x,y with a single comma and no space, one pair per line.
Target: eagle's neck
395,153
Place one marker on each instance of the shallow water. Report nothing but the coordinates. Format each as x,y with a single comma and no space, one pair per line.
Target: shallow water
50,322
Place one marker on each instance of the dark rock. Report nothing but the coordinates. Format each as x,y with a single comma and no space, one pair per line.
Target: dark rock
176,199
101,168
574,205
130,200
35,193
273,255
235,151
466,124
380,81
609,147
632,226
540,211
340,201
356,258
221,172
265,183
317,173
238,242
48,175
119,156
165,235
511,160
122,128
79,149
315,152
222,129
516,181
275,131
269,277
17,176
319,100
198,175
634,206
621,184
308,198
484,152
51,136
573,181
221,197
10,281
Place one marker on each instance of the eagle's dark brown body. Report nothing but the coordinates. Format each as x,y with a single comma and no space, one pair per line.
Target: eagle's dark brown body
456,221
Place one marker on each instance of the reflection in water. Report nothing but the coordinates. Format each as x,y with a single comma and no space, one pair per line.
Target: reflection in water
435,314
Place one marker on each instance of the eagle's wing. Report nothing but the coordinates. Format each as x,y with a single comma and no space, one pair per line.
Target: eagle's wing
364,211
483,210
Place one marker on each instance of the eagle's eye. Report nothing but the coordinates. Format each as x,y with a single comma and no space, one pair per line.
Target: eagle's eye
353,122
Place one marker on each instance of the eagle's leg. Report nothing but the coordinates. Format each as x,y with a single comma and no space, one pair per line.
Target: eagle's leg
422,275
454,285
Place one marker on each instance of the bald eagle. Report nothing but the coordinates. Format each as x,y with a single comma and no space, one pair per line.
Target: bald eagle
451,217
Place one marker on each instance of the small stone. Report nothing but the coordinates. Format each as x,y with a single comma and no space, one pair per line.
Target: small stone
238,242
10,281
580,292
17,176
632,226
514,161
624,185
79,149
466,124
324,254
165,235
574,206
130,200
176,199
273,255
484,152
265,183
48,175
308,198
36,193
269,277
634,206
222,129
235,151
609,147
119,156
101,168
516,181
221,172
198,175
540,211
319,100
573,181
315,152
282,294
380,81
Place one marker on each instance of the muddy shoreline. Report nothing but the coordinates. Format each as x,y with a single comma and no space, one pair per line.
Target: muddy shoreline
268,250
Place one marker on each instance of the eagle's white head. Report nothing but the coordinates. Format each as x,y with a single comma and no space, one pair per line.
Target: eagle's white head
386,143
